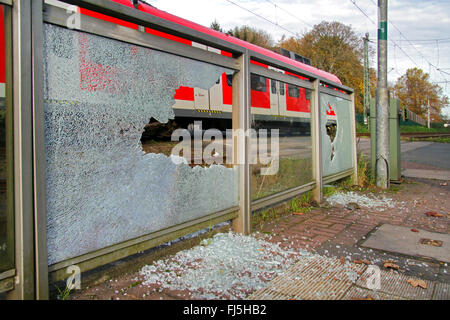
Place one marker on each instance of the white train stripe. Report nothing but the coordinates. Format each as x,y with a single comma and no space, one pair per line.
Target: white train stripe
2,90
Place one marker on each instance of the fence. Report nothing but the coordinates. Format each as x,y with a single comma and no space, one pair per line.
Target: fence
90,189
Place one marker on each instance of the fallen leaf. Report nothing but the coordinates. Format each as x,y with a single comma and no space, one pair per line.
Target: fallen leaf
443,183
342,260
389,264
433,214
415,283
368,297
414,230
361,261
298,213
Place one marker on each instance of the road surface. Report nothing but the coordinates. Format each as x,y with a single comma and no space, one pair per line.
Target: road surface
420,159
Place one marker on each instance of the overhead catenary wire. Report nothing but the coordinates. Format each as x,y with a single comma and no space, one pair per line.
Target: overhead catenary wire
264,18
289,13
406,39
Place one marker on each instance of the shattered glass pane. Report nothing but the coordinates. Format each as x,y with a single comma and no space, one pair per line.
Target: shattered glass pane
336,134
102,188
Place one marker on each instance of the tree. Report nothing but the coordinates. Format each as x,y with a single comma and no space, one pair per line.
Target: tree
216,26
414,90
335,48
253,35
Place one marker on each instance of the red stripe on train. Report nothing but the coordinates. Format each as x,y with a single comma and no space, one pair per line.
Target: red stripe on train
184,93
2,46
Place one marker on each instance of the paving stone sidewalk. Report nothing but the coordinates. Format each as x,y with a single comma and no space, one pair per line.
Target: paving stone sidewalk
335,235
339,233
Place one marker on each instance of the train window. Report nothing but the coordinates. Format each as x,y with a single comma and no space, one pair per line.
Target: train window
308,94
258,83
282,85
229,80
293,91
274,86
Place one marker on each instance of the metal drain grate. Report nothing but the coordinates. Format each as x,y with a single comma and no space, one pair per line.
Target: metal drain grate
441,291
397,284
314,278
356,293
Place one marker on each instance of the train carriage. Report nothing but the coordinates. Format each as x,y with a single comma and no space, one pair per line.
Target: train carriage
269,97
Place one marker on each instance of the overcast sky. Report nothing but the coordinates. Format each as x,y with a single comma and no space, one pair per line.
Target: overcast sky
426,24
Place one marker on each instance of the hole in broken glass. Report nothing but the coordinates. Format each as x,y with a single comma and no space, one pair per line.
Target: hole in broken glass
157,138
331,132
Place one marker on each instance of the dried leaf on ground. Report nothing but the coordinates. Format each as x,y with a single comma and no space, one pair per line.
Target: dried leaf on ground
390,264
368,297
342,260
414,230
433,214
417,283
298,213
431,242
361,261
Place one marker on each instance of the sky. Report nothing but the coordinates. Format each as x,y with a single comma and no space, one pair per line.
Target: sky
418,30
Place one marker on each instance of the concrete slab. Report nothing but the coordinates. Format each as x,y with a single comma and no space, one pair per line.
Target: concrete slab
427,270
402,240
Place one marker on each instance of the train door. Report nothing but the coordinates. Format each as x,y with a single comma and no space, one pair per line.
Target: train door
274,97
201,99
215,96
282,99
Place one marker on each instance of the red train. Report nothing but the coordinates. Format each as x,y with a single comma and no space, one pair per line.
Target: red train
268,97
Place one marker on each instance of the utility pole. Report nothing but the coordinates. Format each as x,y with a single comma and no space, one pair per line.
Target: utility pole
366,78
428,100
382,102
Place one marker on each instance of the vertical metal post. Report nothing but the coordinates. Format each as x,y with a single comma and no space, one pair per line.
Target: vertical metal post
395,154
373,136
241,121
382,143
316,143
40,217
354,151
23,152
366,78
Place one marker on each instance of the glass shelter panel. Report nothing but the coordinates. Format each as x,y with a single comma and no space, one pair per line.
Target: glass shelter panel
114,116
336,134
281,145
